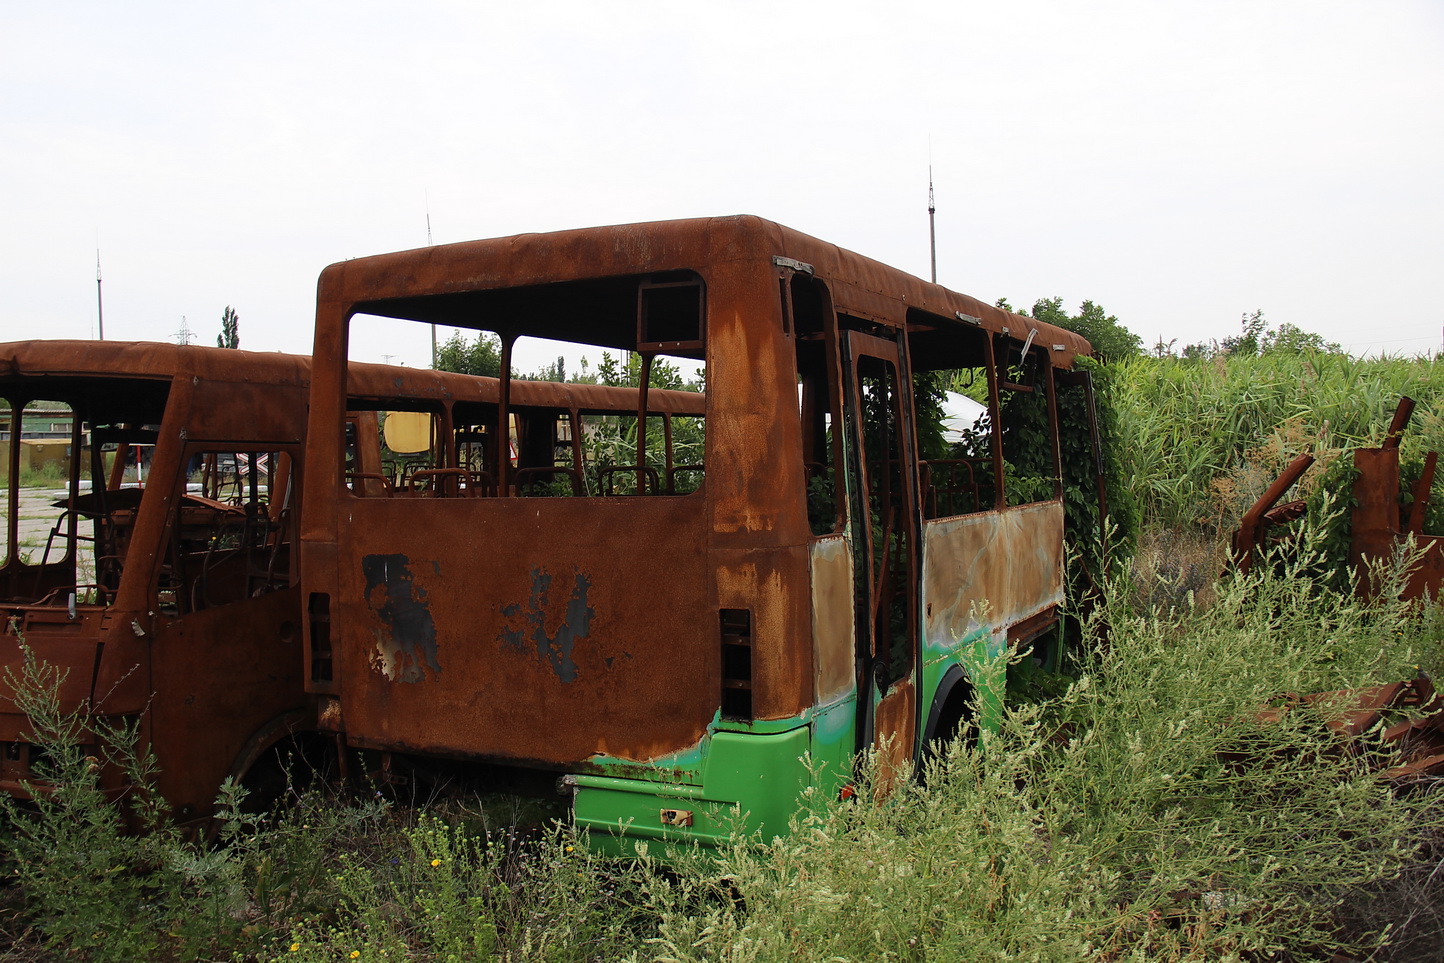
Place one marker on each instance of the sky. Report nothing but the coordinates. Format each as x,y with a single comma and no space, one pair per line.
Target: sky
1180,163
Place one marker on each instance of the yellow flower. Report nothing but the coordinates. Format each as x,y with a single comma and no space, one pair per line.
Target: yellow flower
295,947
569,848
355,953
436,862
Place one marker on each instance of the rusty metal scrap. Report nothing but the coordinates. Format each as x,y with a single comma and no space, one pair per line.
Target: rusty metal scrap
1381,525
1397,729
1253,530
1380,528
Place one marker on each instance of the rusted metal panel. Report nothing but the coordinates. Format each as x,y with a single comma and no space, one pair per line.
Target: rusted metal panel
1378,529
834,631
1010,561
896,716
772,584
217,676
753,429
1396,729
590,634
217,413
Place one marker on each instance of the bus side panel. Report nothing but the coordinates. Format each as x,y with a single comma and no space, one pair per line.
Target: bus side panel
834,627
591,633
981,574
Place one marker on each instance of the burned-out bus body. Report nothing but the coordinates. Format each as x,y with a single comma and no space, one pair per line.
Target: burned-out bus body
154,564
159,574
683,655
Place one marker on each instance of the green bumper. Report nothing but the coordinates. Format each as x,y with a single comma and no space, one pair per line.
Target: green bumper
751,784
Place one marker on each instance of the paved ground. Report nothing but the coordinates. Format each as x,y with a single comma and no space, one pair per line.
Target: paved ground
37,516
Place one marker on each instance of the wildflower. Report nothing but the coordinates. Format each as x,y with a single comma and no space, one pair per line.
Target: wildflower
355,954
436,862
570,848
295,947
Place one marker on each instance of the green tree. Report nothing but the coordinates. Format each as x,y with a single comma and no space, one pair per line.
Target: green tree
556,371
1110,339
626,372
230,336
479,357
1257,339
1291,339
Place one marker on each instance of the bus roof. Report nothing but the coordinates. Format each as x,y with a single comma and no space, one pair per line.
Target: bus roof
75,361
148,360
430,284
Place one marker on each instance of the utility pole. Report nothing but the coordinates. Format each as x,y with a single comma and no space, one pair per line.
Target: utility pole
932,225
99,301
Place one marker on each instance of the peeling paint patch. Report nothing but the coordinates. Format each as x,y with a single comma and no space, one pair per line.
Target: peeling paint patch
529,628
406,637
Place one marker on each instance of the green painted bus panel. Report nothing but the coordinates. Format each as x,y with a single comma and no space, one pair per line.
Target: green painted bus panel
983,658
834,746
750,783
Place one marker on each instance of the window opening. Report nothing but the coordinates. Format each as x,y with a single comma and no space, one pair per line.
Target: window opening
232,531
887,511
952,393
819,400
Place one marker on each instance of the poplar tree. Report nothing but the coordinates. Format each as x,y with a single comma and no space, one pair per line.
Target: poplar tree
230,336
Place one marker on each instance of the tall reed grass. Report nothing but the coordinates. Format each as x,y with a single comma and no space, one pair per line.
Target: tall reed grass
1193,432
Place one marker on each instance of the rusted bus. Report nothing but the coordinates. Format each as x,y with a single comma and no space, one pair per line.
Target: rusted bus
157,570
675,650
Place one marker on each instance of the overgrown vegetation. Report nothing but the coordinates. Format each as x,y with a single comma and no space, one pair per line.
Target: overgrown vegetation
1141,809
1205,438
1145,812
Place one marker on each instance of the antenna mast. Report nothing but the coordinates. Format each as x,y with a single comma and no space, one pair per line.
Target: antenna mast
932,225
99,301
429,244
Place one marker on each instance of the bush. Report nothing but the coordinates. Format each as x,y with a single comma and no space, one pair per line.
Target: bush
89,885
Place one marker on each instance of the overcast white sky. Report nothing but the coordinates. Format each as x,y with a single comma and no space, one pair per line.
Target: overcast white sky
1180,163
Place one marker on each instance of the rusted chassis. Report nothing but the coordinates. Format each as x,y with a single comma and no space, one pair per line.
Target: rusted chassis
619,605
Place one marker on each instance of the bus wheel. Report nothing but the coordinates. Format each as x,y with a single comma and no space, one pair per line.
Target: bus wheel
283,756
951,716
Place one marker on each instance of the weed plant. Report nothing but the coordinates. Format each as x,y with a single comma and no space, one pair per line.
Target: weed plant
437,892
89,885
